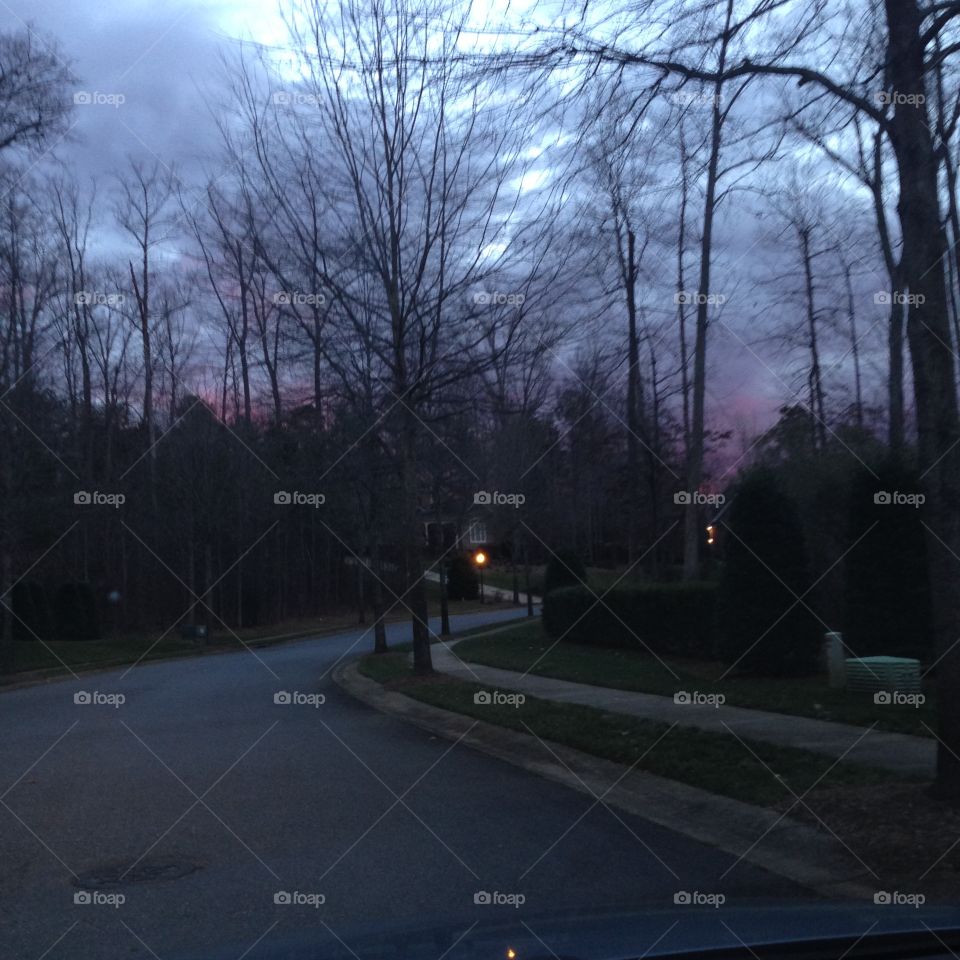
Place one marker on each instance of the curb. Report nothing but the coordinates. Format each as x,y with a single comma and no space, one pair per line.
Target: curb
755,835
32,678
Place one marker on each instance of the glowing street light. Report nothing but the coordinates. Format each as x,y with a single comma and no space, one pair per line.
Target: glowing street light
480,559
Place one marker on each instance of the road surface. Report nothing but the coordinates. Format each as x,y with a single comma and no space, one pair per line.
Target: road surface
214,802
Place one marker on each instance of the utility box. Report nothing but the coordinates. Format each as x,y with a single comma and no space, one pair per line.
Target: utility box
878,674
835,665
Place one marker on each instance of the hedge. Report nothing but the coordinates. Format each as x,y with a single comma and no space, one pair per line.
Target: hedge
674,619
564,569
32,617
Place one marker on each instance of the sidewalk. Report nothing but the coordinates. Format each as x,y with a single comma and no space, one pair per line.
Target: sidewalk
899,752
497,594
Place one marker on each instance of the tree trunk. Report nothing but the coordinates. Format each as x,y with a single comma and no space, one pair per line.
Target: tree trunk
691,526
928,333
633,376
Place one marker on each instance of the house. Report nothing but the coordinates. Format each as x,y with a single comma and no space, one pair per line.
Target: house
446,532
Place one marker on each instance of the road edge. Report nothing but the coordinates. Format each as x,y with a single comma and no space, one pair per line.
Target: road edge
730,825
45,675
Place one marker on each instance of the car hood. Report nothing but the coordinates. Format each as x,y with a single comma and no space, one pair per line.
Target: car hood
593,935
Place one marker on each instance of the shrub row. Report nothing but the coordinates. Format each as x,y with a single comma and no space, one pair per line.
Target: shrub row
675,619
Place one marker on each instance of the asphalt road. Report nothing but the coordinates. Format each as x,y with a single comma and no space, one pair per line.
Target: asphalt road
212,799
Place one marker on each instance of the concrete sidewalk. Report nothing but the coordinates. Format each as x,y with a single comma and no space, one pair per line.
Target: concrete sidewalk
498,594
899,752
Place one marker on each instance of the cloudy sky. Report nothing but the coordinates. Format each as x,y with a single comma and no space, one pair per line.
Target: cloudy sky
160,59
152,75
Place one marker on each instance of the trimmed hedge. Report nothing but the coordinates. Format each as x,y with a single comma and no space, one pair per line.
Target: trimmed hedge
32,618
673,619
887,607
564,569
763,629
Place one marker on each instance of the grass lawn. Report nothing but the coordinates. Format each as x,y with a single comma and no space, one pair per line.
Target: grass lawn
528,649
600,578
711,761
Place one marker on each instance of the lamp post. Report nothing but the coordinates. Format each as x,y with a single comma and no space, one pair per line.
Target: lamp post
480,559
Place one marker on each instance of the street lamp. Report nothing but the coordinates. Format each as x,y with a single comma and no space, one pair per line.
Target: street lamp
480,559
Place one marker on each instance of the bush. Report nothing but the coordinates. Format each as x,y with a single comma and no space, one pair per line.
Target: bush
31,612
674,619
462,581
763,630
886,594
564,569
76,611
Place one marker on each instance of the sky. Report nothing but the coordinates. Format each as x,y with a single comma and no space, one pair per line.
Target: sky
148,81
150,70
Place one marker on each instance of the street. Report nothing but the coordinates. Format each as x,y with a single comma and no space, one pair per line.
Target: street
215,802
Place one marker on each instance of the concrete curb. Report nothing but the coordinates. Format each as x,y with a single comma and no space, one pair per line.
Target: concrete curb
33,678
755,835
